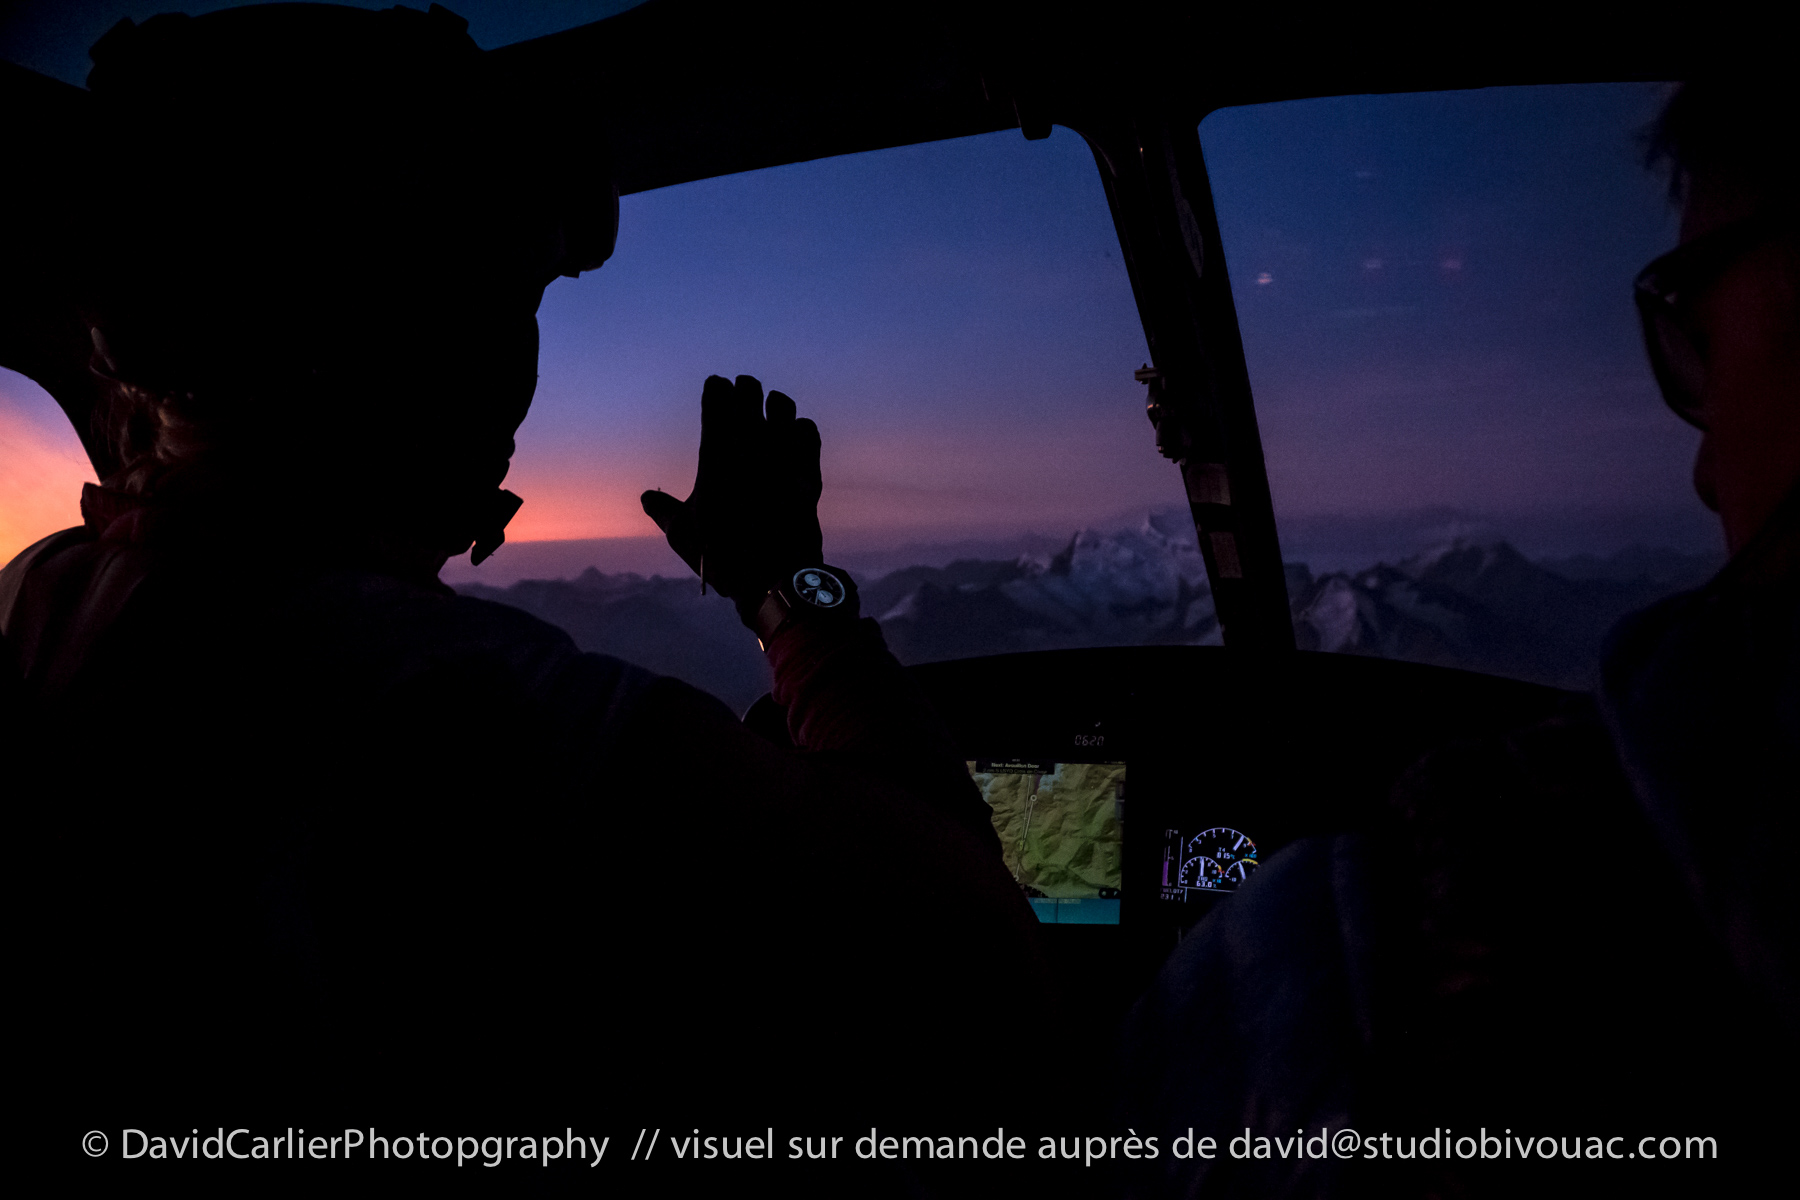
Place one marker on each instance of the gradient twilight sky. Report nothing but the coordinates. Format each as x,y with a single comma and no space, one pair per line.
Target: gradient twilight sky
1435,294
1443,320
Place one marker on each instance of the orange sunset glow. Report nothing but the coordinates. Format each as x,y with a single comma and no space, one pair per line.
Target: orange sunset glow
879,483
42,466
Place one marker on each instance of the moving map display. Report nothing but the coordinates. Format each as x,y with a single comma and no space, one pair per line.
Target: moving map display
1059,827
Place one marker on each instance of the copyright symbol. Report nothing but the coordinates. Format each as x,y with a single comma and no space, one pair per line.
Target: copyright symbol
1345,1143
94,1142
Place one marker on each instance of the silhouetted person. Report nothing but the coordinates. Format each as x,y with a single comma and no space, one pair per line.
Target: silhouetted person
307,837
1584,930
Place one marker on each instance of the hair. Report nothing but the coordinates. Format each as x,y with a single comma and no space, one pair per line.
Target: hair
1745,130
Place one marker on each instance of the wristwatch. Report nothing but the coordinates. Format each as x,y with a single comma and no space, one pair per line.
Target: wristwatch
809,594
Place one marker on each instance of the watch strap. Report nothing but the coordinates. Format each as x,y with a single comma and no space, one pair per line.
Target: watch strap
771,617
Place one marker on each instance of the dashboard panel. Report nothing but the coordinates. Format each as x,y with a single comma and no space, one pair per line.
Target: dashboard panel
1214,760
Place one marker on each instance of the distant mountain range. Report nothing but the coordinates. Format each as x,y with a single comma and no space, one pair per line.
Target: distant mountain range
1488,608
1138,587
663,624
1482,606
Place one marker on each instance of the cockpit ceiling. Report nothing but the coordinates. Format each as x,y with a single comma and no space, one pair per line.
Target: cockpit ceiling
690,89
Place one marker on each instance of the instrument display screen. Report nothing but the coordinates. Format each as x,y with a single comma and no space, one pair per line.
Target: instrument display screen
1060,827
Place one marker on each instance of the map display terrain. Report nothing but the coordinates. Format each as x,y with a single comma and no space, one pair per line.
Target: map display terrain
1058,824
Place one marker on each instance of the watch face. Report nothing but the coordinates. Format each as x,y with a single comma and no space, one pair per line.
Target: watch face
819,587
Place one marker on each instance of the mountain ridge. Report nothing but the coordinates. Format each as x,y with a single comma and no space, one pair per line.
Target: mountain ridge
1474,604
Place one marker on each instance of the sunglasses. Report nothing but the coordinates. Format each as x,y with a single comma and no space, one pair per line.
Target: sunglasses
1666,292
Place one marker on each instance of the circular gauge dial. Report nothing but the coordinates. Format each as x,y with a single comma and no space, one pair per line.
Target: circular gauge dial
1201,873
1217,859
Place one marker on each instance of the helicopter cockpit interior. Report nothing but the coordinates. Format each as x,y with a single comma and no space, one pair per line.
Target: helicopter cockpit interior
1397,445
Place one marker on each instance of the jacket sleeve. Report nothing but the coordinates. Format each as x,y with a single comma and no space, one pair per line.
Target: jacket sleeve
848,698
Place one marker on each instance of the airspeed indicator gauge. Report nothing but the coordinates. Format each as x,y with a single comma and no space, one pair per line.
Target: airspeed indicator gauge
1217,860
1202,872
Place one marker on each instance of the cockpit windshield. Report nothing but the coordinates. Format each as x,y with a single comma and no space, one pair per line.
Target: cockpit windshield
956,317
1469,462
1465,445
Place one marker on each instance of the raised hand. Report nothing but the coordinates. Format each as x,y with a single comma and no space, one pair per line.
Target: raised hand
754,510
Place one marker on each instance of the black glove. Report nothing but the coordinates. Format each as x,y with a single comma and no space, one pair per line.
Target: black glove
754,510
